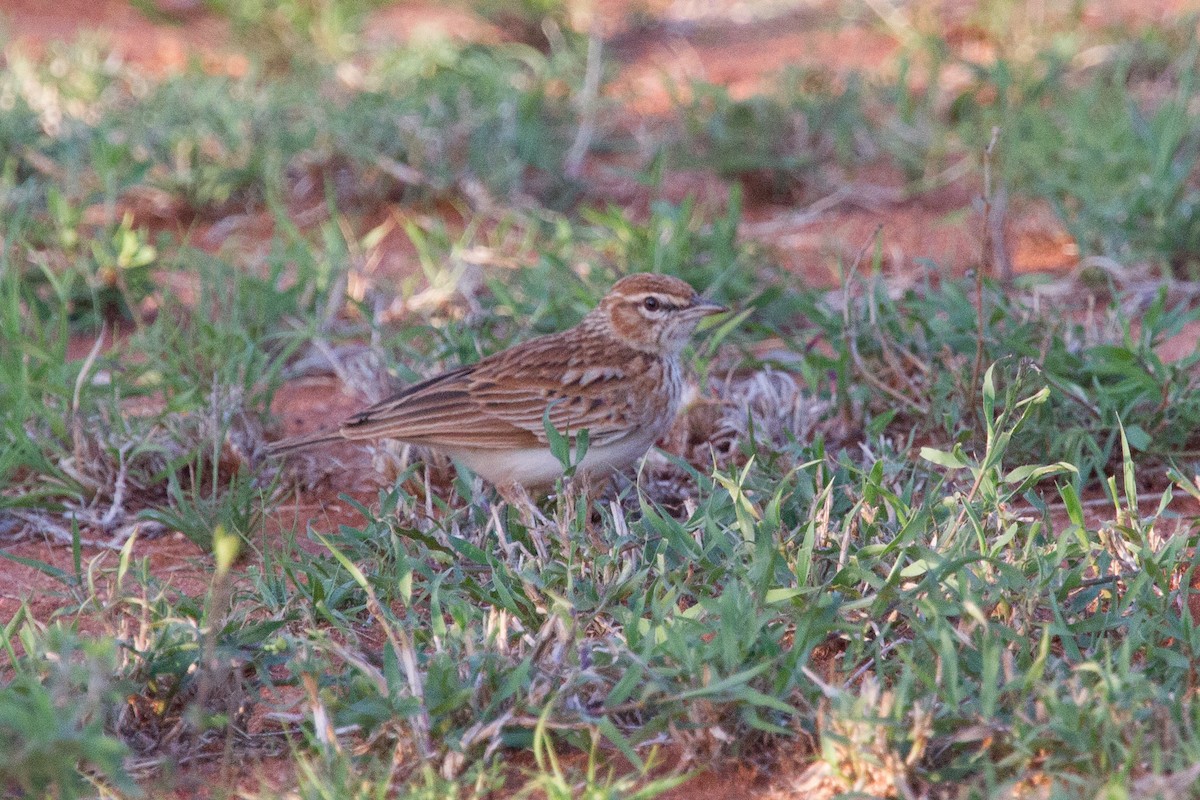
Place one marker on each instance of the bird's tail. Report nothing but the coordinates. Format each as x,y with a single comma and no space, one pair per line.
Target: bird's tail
284,446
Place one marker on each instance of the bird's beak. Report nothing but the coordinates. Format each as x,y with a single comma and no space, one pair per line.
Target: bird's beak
706,308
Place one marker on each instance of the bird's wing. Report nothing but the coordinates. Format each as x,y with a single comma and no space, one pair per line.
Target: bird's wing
439,411
500,402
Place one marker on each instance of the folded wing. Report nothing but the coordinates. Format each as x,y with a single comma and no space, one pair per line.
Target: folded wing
500,403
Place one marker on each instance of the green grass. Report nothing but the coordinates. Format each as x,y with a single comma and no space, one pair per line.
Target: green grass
1117,169
915,542
56,709
912,364
783,144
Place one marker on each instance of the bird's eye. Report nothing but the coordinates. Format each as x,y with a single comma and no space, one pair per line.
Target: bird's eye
650,304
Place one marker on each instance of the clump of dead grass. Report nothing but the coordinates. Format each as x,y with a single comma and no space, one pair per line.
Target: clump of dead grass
766,409
117,465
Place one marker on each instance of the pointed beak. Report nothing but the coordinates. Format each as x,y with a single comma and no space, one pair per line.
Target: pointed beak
706,308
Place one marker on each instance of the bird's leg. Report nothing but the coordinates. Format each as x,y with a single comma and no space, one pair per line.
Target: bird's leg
586,488
531,516
519,498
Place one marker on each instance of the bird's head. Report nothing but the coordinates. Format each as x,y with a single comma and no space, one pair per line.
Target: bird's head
654,313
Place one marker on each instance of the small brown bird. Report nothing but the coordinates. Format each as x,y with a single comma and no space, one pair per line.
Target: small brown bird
615,374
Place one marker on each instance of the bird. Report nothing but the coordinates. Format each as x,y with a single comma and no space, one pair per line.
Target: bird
616,374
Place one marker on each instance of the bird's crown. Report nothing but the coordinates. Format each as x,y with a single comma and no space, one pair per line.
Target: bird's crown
642,285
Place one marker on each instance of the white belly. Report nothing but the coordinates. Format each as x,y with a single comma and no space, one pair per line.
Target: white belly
537,467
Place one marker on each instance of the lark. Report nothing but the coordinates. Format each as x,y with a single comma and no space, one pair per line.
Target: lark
616,375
